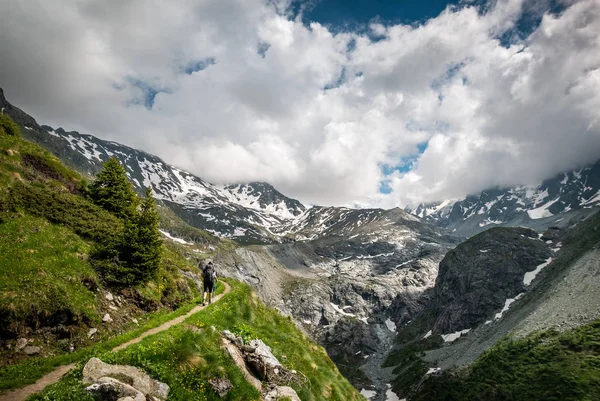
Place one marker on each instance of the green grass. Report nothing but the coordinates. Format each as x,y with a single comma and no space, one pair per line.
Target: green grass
22,374
548,366
187,356
42,271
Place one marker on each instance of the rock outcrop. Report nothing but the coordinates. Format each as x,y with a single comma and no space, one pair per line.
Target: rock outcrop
259,365
117,382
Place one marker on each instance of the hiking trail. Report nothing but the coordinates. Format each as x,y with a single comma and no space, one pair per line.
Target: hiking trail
54,376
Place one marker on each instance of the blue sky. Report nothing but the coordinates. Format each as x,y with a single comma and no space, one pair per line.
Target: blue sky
353,13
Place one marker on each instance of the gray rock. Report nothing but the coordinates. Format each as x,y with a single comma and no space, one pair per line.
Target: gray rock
109,296
91,332
229,335
277,393
262,361
31,350
107,318
110,389
21,343
95,369
221,386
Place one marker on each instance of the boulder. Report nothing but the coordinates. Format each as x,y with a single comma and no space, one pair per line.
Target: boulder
31,350
92,332
262,361
21,343
110,389
95,369
221,386
107,318
281,392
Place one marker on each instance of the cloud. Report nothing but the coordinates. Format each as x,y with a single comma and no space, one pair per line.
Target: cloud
240,90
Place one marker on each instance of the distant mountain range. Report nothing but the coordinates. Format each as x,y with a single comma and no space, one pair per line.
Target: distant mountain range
554,202
257,213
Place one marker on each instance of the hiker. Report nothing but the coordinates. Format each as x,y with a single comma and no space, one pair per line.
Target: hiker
210,282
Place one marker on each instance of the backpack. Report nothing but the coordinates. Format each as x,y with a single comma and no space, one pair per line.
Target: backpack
209,273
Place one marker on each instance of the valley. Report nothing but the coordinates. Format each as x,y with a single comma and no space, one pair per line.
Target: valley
397,297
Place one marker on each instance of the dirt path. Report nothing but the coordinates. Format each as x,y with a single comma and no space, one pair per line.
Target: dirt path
54,376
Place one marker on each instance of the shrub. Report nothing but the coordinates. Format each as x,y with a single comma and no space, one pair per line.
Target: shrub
8,126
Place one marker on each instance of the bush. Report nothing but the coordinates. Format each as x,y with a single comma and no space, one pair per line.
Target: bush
8,126
85,219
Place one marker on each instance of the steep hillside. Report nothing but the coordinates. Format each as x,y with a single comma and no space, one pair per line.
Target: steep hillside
50,293
191,356
565,198
481,296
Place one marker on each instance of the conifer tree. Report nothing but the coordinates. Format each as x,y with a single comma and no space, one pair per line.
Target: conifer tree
111,190
144,246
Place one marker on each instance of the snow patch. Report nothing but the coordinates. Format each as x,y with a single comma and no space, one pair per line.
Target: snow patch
542,211
391,396
433,370
340,310
368,394
178,240
390,325
428,334
507,305
529,276
448,338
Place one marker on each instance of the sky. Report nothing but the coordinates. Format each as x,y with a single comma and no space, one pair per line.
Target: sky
335,102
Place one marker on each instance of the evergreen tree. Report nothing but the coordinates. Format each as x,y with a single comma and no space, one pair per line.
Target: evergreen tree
144,247
112,191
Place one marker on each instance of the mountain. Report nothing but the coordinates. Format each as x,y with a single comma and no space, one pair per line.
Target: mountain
567,196
504,283
245,212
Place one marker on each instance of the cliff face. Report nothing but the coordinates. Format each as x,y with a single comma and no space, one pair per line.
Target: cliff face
477,278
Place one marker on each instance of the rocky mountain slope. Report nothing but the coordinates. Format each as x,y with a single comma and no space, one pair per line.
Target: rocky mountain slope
351,285
568,196
505,281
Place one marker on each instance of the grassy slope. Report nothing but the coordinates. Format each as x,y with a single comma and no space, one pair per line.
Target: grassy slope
187,356
543,366
47,228
43,271
27,372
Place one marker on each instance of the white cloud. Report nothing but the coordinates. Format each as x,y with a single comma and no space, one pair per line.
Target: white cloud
492,115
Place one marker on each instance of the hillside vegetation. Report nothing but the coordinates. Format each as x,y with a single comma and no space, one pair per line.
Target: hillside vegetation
543,366
50,286
187,356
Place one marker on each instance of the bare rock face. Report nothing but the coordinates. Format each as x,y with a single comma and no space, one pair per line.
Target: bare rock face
478,276
221,386
22,343
100,373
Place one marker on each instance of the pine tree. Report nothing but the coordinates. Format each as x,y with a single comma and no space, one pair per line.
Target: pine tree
144,248
112,191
